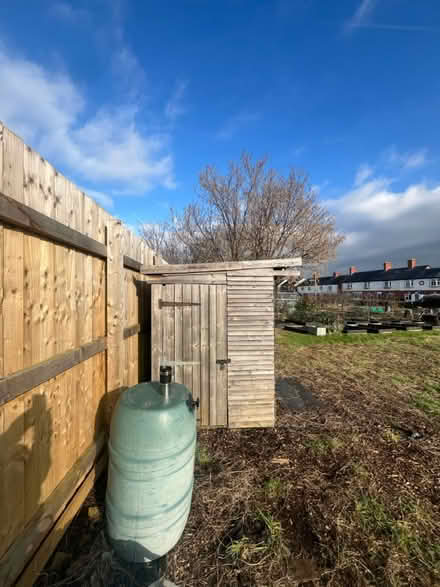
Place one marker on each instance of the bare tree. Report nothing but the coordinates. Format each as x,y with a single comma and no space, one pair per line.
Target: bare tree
162,238
253,212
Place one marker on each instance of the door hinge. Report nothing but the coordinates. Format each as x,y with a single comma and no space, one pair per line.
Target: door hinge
163,304
223,362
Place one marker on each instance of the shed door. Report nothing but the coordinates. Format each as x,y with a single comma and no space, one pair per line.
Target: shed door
189,332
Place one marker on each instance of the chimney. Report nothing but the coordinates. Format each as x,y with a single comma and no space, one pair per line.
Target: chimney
411,263
335,274
387,266
352,270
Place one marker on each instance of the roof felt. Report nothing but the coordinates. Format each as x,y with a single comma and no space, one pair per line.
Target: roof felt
399,273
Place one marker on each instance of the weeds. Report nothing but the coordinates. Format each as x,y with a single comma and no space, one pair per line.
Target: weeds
203,458
428,400
274,488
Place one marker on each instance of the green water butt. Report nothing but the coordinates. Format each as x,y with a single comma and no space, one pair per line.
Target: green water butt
151,470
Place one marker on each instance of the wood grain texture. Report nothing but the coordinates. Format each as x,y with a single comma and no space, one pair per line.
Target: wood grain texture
251,384
19,382
31,301
13,309
1,155
186,335
13,166
195,344
12,464
22,216
178,332
2,294
204,356
50,542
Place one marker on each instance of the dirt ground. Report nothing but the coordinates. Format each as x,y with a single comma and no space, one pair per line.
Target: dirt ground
345,490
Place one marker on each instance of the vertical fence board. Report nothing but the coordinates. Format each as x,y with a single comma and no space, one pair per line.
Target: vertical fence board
178,334
88,298
2,292
47,300
13,165
60,289
31,173
31,301
186,335
1,155
12,459
204,355
13,301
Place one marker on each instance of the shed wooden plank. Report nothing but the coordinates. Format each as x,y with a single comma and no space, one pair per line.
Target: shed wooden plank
228,266
204,356
13,324
213,354
222,353
195,296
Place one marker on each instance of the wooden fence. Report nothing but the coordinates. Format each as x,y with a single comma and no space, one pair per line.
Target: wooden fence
72,335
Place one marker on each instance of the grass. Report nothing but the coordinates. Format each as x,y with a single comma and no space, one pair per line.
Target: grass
274,488
203,458
428,399
298,339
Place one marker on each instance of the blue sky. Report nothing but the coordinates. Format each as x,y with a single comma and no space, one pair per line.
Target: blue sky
131,99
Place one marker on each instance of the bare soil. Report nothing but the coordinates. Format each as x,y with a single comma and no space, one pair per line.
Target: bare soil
345,490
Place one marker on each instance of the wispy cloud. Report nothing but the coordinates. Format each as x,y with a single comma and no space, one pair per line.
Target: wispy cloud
104,199
362,174
65,11
236,123
174,107
361,15
49,110
399,27
407,160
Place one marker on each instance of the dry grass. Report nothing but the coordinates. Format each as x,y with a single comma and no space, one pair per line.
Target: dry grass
342,492
358,501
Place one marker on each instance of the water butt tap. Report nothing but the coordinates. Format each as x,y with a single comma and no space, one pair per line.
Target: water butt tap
165,380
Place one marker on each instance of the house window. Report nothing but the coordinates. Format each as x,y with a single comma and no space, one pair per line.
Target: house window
349,286
387,285
367,285
409,283
435,282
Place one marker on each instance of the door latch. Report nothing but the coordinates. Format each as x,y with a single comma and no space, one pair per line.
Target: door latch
223,362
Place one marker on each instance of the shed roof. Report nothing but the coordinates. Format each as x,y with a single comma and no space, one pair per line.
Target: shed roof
224,266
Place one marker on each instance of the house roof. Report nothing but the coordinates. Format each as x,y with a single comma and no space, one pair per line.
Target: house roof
399,273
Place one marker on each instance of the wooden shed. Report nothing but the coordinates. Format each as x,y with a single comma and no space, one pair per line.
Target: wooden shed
214,324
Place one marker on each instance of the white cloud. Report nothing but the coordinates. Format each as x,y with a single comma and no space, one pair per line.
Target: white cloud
65,11
105,200
361,15
383,223
174,107
362,174
408,160
48,110
236,123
